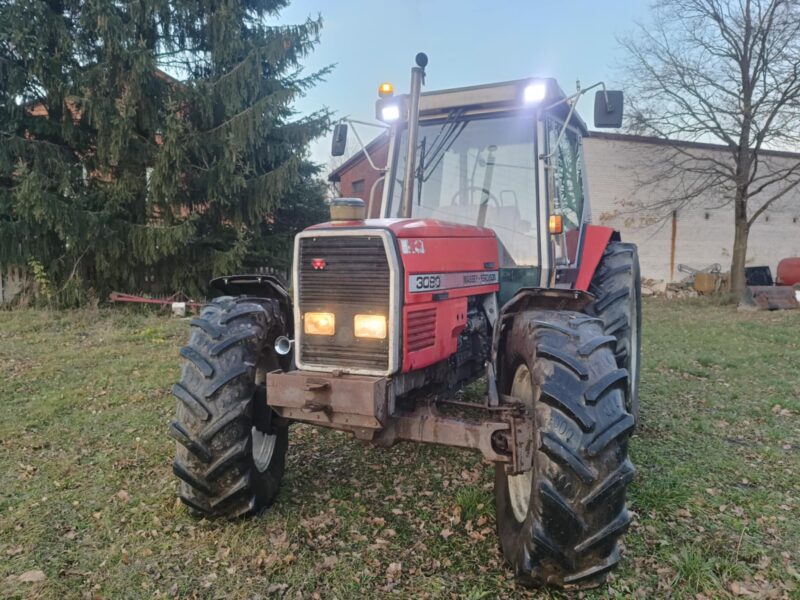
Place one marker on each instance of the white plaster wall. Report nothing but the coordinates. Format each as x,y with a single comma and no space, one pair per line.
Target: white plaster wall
704,230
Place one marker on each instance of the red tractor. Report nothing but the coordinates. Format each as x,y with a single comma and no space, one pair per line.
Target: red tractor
484,265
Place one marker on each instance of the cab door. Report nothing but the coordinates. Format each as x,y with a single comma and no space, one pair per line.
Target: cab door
567,197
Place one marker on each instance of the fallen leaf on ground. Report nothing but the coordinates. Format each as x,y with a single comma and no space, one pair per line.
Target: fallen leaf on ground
32,576
739,589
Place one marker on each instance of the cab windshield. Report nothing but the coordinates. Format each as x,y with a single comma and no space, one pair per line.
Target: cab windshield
480,171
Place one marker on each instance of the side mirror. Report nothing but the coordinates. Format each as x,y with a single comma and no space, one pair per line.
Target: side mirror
339,142
608,109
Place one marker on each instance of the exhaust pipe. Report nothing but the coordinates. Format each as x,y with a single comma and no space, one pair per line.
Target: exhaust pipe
417,79
283,345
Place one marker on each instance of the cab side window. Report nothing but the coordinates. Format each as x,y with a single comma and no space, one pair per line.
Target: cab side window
567,195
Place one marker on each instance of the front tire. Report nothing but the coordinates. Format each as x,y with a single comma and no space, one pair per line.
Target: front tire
559,523
231,448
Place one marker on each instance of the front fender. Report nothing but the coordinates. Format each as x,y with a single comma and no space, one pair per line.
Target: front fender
260,286
531,299
537,298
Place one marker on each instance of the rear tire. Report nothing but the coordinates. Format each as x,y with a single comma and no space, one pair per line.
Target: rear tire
617,284
231,452
559,523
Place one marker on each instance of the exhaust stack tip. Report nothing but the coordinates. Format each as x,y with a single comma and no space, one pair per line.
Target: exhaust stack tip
283,345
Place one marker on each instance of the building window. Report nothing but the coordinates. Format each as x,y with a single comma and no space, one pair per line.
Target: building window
358,186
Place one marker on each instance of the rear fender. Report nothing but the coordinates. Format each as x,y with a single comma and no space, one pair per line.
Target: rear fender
595,241
259,286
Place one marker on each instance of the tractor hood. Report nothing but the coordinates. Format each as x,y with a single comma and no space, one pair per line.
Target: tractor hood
412,228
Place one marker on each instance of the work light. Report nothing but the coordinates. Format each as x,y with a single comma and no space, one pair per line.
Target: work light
390,112
534,92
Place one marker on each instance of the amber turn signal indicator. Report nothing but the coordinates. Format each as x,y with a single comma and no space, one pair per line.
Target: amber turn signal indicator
556,224
319,323
385,89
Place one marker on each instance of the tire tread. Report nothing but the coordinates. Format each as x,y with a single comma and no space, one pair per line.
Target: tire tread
617,286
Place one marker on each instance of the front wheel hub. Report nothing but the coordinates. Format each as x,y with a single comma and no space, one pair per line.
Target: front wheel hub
263,449
519,486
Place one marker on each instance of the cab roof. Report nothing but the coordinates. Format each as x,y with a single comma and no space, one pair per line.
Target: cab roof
493,97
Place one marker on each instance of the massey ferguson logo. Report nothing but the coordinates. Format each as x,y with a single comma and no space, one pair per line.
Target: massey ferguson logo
412,246
429,282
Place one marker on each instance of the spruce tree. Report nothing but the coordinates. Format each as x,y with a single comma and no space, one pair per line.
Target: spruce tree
149,146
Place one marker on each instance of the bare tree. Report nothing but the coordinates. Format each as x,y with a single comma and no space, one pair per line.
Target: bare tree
722,71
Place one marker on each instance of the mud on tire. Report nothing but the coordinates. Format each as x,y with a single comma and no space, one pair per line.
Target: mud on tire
617,286
222,410
573,509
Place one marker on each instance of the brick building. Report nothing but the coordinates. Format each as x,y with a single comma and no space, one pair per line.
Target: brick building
698,235
355,177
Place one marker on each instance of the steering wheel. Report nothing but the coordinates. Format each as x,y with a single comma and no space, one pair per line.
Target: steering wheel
471,188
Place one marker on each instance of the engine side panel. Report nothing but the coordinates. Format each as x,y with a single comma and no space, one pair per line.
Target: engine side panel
431,331
437,269
440,275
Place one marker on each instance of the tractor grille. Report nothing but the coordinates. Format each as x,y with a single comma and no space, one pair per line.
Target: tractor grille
355,280
421,329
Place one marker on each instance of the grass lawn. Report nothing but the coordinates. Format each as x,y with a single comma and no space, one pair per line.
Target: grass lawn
88,508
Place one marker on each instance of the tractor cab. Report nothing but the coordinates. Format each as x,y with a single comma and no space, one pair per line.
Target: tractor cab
491,156
507,157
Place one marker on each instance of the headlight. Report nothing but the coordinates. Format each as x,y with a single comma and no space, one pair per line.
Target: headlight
319,323
370,326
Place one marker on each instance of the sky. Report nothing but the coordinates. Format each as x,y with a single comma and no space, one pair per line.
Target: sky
468,42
